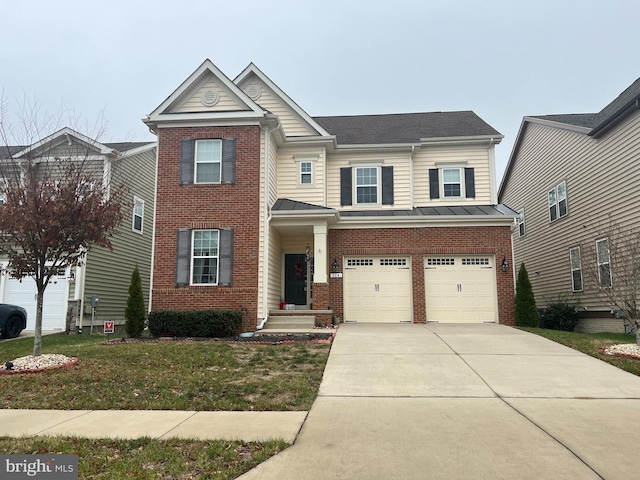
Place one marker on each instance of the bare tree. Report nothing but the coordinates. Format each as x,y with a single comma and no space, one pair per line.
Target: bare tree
54,207
611,264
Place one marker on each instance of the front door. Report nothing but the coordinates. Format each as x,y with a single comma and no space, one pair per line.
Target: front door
295,278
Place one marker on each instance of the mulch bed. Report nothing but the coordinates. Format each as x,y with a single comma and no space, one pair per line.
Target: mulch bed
320,338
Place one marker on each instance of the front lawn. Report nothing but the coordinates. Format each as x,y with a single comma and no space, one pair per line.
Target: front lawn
590,343
166,376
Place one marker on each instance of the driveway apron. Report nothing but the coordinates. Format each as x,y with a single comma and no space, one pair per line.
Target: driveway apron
463,402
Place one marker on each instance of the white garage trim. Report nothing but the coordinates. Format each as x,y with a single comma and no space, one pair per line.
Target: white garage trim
460,288
377,289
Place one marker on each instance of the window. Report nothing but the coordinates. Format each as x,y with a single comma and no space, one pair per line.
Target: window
576,269
208,161
604,262
204,259
557,201
521,222
306,173
138,214
366,185
451,182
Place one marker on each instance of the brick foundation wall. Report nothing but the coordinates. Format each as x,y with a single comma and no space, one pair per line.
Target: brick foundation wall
209,207
418,242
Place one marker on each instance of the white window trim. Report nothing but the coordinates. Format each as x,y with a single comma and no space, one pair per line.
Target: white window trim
462,181
378,185
557,202
195,161
600,263
137,200
193,257
579,269
311,173
521,222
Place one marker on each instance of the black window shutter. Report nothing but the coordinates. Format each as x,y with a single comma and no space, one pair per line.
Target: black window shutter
346,197
228,160
469,183
187,157
387,185
226,257
434,186
183,257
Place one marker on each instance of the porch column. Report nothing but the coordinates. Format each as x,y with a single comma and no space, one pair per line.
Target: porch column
319,254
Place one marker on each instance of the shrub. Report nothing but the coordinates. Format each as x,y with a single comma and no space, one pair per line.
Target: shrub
195,323
560,314
135,313
526,313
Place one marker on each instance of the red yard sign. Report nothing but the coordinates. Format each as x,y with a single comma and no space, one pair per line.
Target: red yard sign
108,327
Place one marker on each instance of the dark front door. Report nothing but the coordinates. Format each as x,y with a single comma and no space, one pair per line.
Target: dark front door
295,278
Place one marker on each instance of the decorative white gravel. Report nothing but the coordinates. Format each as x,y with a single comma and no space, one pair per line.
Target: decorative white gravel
624,349
47,360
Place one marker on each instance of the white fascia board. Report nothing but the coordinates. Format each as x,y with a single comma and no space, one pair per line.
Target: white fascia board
491,139
293,142
208,116
377,148
61,136
141,149
303,215
558,125
227,123
253,69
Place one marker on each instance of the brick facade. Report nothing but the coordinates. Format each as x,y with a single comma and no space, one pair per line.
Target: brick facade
205,206
418,242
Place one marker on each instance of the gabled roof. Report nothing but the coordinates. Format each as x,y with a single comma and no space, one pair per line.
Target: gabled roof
64,135
406,127
12,151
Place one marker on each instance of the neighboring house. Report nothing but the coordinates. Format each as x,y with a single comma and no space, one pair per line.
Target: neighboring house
569,177
104,274
370,218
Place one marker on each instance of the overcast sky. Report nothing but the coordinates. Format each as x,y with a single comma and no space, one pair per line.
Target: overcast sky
114,62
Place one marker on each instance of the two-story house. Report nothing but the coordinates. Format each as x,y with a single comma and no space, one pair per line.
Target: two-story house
103,274
573,178
369,218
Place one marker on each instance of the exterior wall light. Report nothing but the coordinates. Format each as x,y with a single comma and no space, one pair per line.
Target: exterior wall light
505,264
334,265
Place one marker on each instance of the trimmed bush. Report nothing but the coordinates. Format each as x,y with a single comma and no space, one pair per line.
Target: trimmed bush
195,323
526,313
561,314
135,313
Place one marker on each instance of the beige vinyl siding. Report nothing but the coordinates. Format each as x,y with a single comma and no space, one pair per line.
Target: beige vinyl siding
292,124
288,176
601,179
476,157
226,101
108,273
274,288
401,178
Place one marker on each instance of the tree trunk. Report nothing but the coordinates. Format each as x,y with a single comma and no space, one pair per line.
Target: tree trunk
37,339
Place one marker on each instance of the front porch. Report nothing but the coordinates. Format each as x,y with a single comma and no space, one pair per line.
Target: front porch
297,322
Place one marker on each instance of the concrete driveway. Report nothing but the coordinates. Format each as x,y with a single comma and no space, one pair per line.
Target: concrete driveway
463,402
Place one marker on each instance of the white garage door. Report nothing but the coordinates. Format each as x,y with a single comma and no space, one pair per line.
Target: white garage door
54,310
460,289
377,289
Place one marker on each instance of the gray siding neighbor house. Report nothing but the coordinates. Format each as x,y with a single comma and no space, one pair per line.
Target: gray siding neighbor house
574,181
104,274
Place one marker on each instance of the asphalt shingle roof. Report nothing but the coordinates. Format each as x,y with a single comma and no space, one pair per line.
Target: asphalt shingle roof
404,127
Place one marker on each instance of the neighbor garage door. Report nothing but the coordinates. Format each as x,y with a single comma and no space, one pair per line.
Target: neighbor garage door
460,289
54,310
377,289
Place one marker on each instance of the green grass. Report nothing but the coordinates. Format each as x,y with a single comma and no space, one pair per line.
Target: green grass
590,343
146,458
201,376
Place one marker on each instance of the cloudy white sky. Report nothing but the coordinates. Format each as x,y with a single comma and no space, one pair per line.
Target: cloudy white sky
115,61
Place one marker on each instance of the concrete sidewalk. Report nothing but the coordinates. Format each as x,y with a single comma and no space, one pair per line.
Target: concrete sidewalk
463,402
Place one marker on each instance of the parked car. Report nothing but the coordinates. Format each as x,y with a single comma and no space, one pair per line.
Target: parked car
13,320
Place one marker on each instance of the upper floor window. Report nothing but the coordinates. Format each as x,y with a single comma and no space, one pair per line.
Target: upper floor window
367,185
138,214
306,172
204,257
557,201
604,262
520,220
452,182
208,161
576,269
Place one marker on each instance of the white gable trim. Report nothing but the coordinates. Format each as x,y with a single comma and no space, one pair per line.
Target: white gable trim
62,136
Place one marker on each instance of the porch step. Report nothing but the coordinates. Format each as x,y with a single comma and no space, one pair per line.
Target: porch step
290,322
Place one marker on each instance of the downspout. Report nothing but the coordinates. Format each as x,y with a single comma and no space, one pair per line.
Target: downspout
492,172
413,149
267,223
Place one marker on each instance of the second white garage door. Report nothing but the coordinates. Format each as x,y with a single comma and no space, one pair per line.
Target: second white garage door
377,289
460,289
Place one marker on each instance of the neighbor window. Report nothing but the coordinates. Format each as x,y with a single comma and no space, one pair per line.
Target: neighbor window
204,257
306,173
208,161
604,262
521,222
557,201
576,269
366,185
138,214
